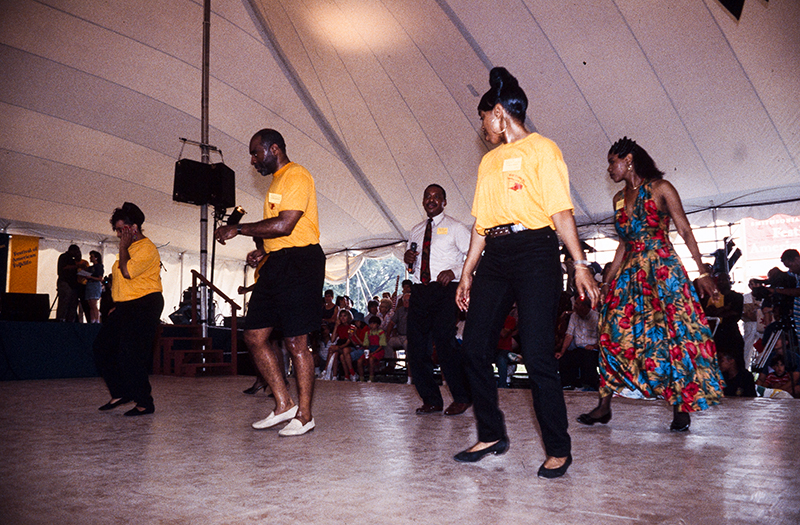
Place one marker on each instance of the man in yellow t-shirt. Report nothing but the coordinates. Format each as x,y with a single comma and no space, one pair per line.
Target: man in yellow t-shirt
288,292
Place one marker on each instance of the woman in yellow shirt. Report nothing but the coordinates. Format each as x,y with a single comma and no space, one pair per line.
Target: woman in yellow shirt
123,345
521,200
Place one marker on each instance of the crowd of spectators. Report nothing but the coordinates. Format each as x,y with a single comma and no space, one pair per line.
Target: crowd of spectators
761,360
359,344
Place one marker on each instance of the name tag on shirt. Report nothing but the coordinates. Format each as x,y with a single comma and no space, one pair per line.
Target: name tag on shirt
619,204
512,164
274,198
441,231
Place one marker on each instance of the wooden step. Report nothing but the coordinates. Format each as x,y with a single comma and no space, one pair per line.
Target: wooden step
195,369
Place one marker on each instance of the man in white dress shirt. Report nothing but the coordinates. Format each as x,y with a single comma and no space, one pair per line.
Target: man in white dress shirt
441,245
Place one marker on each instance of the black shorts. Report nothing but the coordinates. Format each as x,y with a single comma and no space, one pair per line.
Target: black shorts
288,293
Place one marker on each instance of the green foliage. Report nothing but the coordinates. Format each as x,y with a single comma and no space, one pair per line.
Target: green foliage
379,275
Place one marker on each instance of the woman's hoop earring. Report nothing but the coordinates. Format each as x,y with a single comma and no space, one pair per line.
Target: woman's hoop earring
502,131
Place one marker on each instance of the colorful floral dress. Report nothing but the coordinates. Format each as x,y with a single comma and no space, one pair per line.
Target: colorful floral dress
653,335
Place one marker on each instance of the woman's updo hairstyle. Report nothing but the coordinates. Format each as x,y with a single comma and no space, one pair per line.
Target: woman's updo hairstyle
129,214
505,91
645,165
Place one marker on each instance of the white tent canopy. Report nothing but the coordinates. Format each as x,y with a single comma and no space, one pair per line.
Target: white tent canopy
378,99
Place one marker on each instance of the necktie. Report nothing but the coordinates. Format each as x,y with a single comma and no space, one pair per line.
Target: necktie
425,265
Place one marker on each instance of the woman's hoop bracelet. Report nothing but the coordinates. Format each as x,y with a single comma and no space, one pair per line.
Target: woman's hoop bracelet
582,262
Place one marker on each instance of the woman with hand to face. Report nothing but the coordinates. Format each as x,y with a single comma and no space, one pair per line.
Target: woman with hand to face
123,345
653,334
521,201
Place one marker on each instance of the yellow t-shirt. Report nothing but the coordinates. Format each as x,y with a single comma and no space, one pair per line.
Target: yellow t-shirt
144,267
525,182
292,188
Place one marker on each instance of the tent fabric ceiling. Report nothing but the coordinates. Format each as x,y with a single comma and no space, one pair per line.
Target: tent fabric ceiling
378,99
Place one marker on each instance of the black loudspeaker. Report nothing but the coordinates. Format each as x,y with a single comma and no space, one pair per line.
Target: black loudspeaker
198,183
222,193
24,306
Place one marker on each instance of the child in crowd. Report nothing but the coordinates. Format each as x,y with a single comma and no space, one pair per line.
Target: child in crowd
779,378
738,383
341,343
374,343
355,351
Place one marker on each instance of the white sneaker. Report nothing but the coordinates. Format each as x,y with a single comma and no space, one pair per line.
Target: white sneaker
273,419
354,378
296,428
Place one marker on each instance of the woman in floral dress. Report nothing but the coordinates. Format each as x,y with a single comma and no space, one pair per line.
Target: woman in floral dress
653,335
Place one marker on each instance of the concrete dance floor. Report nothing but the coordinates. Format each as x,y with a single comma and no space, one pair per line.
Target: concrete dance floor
372,460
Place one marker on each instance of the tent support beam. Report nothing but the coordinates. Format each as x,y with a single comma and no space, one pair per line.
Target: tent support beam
204,158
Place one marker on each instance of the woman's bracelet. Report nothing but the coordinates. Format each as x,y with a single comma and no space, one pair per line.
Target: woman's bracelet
582,262
706,274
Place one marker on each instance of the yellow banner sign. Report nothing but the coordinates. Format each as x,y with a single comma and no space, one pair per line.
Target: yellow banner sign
24,264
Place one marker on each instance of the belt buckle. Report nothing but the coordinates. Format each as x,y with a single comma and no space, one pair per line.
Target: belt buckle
499,231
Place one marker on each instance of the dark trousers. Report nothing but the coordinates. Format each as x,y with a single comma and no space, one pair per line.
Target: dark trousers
432,315
578,367
67,309
522,267
123,347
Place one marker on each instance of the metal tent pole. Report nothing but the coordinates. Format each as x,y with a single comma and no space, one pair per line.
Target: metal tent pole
204,152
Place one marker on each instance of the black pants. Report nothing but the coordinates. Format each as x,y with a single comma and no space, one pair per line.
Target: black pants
123,347
578,367
432,315
522,267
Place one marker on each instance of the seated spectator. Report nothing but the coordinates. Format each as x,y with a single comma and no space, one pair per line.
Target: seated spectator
343,302
578,355
374,343
329,310
779,378
372,309
356,350
738,382
341,343
397,337
506,363
385,313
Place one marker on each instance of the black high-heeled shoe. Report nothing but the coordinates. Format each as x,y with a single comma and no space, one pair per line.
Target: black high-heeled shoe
253,390
501,447
680,422
552,473
586,419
